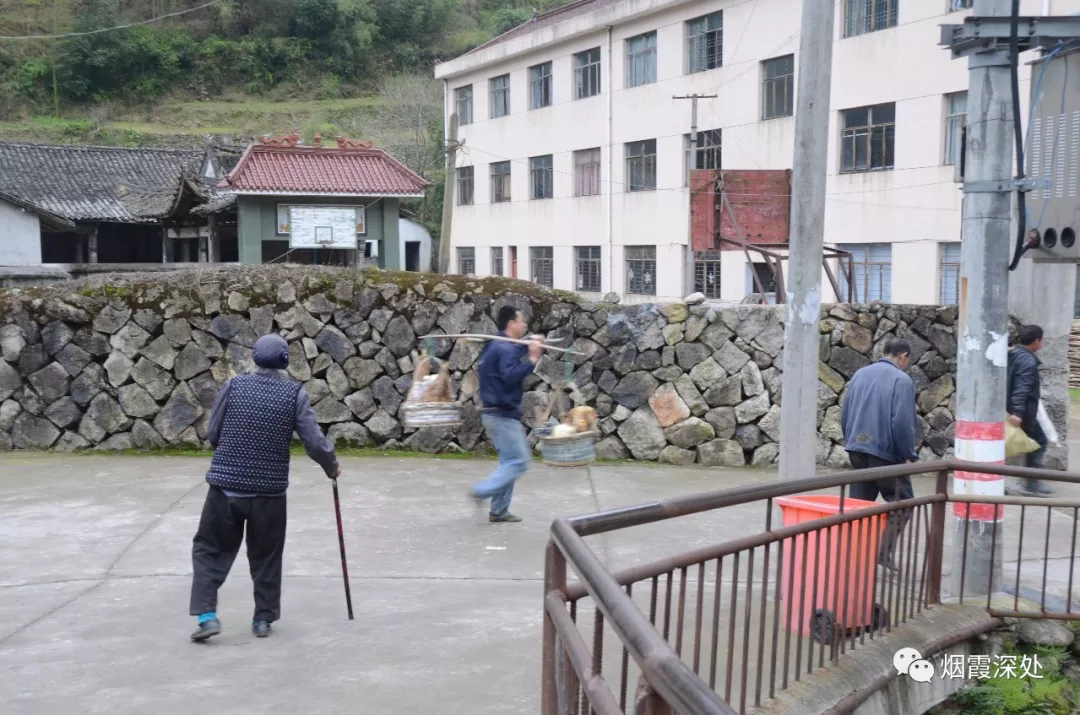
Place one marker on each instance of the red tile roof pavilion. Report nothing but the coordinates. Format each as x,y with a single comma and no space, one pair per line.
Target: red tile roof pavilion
351,169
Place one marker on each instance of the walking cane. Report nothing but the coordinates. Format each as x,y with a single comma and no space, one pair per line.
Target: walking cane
341,542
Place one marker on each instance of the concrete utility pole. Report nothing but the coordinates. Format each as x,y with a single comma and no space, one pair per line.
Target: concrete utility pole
449,188
688,275
798,416
982,349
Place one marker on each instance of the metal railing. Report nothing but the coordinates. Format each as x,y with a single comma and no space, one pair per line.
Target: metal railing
724,627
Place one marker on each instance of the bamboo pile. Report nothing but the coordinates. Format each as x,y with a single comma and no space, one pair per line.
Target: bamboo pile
1074,355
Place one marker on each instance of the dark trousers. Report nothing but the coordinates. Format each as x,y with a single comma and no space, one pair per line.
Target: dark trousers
1034,430
891,489
217,541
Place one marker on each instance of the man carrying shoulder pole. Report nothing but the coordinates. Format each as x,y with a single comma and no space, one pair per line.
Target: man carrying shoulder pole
503,369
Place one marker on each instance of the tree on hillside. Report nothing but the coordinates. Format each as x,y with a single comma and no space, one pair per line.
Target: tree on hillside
409,125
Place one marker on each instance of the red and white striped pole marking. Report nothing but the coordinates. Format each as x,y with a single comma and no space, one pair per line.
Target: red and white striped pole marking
979,442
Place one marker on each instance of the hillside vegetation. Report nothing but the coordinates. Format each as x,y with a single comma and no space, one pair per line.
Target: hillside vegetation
238,69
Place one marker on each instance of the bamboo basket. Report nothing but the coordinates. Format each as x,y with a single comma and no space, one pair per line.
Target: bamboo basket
576,450
419,413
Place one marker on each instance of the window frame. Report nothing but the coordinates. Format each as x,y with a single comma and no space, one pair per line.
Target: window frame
709,151
466,255
542,177
959,5
497,265
494,93
647,162
587,73
642,59
494,171
632,258
588,269
695,38
587,174
465,117
857,133
954,124
538,262
882,16
786,83
706,263
949,263
862,256
540,86
466,184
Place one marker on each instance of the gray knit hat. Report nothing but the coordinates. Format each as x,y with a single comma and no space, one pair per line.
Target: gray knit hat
271,351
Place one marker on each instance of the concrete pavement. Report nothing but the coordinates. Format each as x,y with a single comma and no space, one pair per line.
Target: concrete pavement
95,571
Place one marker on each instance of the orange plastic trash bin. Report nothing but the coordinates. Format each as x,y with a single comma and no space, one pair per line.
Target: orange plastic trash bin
815,602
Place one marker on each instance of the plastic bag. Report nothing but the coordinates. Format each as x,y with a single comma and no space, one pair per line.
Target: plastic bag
1016,441
1046,424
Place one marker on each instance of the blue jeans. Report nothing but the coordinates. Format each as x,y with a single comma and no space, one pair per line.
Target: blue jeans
508,436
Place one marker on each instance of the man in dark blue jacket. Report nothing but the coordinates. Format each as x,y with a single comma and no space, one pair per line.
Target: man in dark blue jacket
880,425
503,369
1022,396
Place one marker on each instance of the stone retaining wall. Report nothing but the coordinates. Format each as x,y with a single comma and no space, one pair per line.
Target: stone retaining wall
136,361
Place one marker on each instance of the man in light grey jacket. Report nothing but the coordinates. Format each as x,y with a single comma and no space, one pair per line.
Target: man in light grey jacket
880,425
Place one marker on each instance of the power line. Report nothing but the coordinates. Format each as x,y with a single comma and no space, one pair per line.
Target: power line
110,29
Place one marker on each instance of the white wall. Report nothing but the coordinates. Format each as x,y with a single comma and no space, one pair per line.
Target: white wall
915,206
409,231
20,236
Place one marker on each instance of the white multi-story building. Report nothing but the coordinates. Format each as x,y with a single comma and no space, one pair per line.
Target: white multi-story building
574,167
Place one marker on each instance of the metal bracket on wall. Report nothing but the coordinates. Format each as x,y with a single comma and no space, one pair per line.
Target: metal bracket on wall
1000,187
982,34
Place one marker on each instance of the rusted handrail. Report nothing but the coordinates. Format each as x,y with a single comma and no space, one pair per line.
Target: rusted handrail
727,548
669,676
600,698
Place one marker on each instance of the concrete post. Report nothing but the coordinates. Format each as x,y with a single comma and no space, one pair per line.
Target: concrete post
982,350
798,417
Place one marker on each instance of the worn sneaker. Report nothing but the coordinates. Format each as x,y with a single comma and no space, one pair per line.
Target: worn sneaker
206,629
506,518
261,629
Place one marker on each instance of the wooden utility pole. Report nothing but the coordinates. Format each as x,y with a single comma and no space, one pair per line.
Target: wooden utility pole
688,271
449,188
798,416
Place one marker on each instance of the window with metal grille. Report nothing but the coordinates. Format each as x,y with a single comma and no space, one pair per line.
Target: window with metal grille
542,265
540,86
778,87
641,270
466,261
641,165
465,185
955,5
541,177
707,273
588,269
705,43
950,274
863,16
868,138
872,264
955,116
500,182
500,96
708,150
767,277
641,60
587,73
463,104
497,261
587,172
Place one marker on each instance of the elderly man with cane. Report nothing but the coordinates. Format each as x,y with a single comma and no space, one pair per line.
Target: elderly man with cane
251,427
